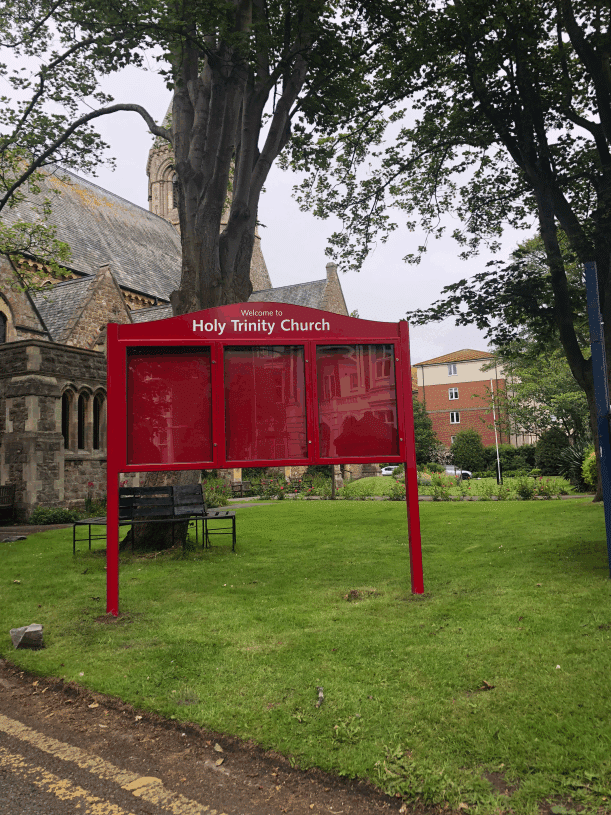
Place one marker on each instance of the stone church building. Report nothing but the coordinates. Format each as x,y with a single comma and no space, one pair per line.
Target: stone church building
125,262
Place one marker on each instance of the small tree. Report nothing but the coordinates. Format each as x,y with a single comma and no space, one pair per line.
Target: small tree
426,439
549,449
512,458
468,450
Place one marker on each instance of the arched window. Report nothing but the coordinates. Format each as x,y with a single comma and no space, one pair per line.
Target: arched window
98,401
66,403
3,322
82,411
175,191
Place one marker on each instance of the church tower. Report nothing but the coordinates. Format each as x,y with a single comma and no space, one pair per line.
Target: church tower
162,198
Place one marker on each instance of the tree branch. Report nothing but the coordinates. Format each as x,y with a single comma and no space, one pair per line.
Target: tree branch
40,161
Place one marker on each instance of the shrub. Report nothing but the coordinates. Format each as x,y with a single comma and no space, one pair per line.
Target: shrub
547,488
216,492
441,489
502,492
275,489
397,491
468,450
525,488
53,515
528,452
434,467
571,464
321,486
325,470
511,458
589,471
209,474
94,508
253,473
549,449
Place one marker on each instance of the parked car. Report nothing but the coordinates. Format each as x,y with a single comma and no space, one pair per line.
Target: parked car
457,472
390,469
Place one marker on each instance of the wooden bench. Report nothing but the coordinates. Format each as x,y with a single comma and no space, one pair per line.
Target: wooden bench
7,499
173,504
240,488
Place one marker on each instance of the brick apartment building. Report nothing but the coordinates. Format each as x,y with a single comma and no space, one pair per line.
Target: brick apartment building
456,392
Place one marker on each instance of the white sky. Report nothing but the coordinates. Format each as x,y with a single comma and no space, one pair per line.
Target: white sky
294,242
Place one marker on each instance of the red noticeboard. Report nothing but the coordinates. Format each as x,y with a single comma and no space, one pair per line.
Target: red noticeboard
254,385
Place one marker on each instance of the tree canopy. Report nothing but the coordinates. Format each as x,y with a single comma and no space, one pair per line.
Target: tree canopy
513,302
240,71
540,393
508,123
426,440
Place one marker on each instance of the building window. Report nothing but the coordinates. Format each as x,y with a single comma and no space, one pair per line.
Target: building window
82,409
453,393
97,421
66,402
452,439
3,322
384,363
454,417
452,369
175,191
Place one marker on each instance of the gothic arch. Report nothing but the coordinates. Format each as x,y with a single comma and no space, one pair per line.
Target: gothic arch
82,411
98,406
68,425
7,324
162,188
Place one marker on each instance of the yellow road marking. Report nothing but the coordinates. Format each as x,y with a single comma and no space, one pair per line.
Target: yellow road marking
146,788
60,787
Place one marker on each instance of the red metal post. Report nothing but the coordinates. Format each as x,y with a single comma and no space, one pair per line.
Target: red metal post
115,415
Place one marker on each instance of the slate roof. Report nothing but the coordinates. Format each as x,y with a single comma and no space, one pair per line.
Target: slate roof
147,315
58,305
143,250
466,355
300,294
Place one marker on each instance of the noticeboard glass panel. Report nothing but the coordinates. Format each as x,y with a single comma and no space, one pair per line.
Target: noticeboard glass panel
357,401
265,403
169,405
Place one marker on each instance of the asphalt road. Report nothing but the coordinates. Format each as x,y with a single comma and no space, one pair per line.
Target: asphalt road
66,750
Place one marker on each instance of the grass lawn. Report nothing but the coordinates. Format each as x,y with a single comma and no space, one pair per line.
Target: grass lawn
500,671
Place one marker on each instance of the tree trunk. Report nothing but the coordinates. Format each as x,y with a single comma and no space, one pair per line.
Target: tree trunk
154,537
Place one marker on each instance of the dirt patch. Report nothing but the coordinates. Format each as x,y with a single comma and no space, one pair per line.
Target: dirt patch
185,756
500,784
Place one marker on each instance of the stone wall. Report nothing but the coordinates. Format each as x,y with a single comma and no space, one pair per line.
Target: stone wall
33,376
23,321
333,298
84,476
105,303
